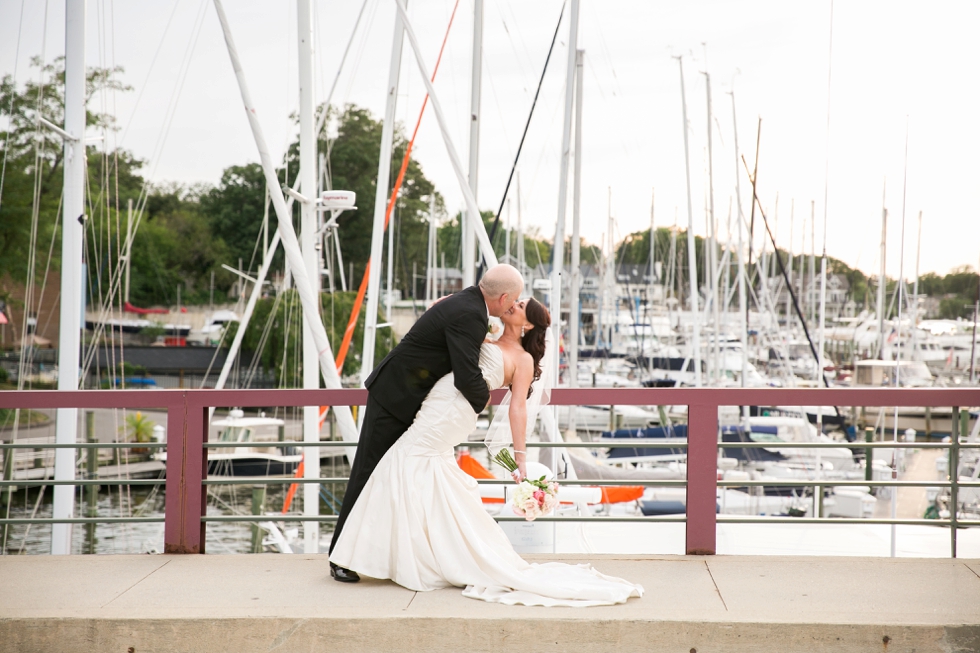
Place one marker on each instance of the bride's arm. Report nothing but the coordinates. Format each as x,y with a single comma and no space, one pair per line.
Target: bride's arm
523,376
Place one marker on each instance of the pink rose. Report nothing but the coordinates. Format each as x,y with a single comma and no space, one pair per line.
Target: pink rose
539,495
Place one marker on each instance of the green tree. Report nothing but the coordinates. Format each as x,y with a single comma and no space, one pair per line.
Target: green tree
275,334
234,210
33,174
176,247
353,165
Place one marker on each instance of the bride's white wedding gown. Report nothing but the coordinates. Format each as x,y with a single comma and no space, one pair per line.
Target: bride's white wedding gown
420,522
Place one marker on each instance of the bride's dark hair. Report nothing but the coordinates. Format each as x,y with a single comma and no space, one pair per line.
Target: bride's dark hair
533,340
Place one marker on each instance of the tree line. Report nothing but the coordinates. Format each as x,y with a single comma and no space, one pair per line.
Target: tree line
187,232
957,291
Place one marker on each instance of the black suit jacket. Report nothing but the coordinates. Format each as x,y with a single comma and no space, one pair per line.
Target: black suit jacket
446,338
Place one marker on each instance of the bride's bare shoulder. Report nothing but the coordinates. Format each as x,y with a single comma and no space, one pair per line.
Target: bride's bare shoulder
521,358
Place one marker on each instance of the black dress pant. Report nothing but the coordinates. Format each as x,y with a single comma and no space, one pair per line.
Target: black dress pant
380,430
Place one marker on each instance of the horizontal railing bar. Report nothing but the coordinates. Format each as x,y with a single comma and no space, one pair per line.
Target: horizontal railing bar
667,482
657,443
679,519
277,443
86,481
14,521
734,519
617,443
271,480
85,445
722,518
257,518
631,444
332,518
636,443
700,397
262,480
849,483
841,445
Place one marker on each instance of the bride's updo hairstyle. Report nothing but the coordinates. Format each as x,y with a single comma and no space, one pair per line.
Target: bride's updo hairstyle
533,340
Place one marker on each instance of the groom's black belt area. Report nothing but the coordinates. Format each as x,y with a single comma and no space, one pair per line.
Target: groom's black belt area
380,431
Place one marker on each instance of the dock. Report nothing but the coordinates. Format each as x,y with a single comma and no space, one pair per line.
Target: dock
252,603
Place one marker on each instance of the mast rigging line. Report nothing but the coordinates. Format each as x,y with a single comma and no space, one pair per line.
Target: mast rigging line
263,268
782,270
527,125
362,289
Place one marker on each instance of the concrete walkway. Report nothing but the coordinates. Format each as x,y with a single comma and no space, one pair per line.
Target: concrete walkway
246,603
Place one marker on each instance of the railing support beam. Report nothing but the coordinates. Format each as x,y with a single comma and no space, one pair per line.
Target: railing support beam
186,501
702,479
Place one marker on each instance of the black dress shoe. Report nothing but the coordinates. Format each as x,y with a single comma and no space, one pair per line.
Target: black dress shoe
343,575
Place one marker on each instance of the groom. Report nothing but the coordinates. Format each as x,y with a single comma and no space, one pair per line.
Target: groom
446,338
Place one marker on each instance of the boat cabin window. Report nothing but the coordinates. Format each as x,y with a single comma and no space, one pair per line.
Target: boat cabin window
764,437
235,434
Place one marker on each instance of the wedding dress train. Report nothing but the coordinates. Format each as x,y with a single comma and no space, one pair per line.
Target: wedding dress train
420,522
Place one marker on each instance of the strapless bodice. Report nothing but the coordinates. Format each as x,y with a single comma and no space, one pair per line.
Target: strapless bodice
492,365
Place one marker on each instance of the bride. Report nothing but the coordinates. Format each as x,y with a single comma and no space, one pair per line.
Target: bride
420,521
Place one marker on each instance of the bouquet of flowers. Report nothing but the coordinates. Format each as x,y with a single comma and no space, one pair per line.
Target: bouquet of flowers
533,498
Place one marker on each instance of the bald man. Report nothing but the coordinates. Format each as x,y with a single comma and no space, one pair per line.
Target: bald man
446,338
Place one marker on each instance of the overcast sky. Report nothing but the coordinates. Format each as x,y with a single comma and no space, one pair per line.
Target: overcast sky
893,63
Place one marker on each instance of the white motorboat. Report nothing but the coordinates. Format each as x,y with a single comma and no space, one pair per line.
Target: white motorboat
261,453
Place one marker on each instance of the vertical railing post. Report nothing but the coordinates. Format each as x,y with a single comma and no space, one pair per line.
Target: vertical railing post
184,530
202,417
954,477
702,478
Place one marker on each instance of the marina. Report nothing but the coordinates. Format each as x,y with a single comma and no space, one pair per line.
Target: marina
762,408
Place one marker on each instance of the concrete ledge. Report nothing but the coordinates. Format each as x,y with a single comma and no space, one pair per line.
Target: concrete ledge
480,635
288,603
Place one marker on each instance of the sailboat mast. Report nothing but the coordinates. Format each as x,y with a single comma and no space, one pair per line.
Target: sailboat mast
476,75
915,287
507,234
129,245
558,252
390,267
691,253
609,285
73,231
712,241
308,222
743,307
880,308
789,272
812,286
823,318
674,265
521,263
430,277
653,256
381,203
571,347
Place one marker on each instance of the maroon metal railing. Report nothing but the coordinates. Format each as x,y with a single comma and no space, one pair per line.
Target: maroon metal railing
187,429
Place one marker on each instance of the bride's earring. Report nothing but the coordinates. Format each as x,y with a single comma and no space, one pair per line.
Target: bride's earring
522,331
